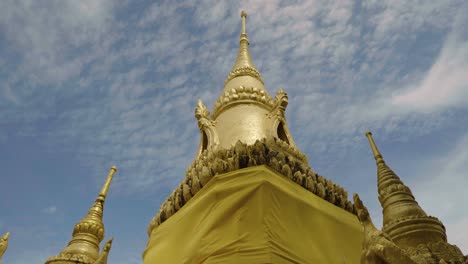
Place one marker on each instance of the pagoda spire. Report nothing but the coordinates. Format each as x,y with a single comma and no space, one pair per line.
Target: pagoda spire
88,233
244,65
403,219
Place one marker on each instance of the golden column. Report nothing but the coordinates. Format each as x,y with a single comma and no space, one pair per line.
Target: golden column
87,234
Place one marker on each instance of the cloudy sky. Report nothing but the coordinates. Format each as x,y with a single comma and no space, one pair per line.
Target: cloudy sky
87,84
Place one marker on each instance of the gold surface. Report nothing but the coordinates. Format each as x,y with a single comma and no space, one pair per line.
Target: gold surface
3,244
377,247
256,215
87,234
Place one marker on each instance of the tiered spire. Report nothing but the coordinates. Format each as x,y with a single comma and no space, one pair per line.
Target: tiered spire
244,82
88,233
243,65
403,219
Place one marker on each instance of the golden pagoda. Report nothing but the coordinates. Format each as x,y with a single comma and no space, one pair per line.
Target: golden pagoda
250,196
88,234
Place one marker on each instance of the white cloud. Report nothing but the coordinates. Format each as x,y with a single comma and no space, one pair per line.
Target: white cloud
446,83
50,210
44,35
440,189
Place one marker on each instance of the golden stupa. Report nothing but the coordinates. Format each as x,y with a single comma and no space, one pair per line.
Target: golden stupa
250,197
88,234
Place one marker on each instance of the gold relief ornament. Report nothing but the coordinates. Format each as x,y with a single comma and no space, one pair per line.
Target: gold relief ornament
202,115
3,244
378,247
269,152
105,252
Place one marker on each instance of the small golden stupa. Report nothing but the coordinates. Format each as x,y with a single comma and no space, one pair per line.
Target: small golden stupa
88,234
408,234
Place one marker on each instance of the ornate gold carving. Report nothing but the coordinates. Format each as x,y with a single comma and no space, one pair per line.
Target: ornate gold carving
242,94
378,248
4,244
244,71
278,106
202,115
105,252
88,233
263,152
281,101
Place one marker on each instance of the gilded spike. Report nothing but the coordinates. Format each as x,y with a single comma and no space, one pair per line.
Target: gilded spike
377,156
88,233
243,65
105,187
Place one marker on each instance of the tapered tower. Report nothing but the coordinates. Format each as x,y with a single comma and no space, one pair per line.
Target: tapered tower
88,234
245,110
250,196
404,221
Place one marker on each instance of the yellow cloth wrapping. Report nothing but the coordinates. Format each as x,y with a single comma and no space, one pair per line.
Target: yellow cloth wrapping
256,215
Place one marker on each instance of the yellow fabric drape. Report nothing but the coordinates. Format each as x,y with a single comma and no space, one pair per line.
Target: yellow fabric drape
255,215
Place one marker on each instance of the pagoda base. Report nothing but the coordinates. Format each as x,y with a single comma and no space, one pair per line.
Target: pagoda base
255,215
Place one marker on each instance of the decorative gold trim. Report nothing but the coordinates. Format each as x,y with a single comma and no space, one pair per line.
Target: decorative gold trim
242,94
244,71
268,152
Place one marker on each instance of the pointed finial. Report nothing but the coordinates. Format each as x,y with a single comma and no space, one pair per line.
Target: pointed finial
243,65
243,32
378,157
105,187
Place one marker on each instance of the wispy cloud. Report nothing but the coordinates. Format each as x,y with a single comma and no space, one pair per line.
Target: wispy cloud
49,210
439,189
446,83
116,83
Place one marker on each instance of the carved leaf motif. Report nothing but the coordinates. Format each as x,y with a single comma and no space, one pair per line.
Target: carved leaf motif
201,111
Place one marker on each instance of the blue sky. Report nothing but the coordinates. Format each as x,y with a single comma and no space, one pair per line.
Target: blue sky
85,85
